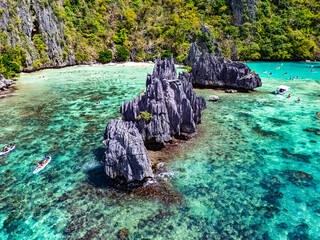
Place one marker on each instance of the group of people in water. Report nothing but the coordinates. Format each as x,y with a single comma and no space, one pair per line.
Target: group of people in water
289,96
6,148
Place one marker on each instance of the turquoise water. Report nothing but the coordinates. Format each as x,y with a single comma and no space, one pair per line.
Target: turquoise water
251,173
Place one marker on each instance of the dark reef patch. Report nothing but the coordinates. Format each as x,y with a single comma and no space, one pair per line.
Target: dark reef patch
295,156
265,133
278,122
298,178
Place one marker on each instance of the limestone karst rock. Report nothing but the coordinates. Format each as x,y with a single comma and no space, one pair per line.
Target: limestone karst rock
125,153
210,69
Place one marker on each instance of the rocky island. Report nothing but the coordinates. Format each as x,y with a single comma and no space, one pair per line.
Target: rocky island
5,84
168,109
210,69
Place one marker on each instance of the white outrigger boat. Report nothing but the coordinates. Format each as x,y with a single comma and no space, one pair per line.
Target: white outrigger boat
42,165
9,150
281,90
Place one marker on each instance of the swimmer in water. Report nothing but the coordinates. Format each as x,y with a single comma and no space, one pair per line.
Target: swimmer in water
289,96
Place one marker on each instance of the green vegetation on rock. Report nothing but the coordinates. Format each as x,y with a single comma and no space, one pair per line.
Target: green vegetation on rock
145,116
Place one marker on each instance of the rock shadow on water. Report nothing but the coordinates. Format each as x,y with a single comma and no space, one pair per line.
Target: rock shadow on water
99,152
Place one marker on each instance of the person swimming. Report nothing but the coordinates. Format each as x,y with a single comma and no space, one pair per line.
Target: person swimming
289,96
318,114
299,100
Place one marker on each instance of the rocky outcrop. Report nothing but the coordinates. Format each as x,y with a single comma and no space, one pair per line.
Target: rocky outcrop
171,101
243,10
168,108
213,71
126,155
5,84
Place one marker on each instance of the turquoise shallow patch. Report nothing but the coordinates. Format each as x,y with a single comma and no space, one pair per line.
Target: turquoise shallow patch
242,179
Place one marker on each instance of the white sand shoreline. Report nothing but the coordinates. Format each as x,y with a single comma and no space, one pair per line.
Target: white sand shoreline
114,64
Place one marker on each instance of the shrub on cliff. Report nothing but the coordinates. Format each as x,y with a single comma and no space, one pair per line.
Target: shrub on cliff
145,116
105,56
122,54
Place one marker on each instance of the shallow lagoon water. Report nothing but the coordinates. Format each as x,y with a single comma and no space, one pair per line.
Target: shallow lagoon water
251,173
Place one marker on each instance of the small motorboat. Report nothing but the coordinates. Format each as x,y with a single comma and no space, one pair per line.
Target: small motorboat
42,165
282,89
9,150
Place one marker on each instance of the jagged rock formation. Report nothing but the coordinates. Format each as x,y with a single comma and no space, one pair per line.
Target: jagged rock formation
171,101
211,70
174,108
5,84
35,18
126,154
243,10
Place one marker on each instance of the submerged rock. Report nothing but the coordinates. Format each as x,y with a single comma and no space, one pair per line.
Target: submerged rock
210,69
123,234
213,98
171,101
231,91
126,154
5,84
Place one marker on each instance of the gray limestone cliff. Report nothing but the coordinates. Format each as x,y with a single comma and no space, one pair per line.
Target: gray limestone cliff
210,69
170,100
126,155
29,22
243,10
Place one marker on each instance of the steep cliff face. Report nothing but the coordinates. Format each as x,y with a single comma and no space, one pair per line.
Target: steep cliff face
32,25
126,155
243,10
